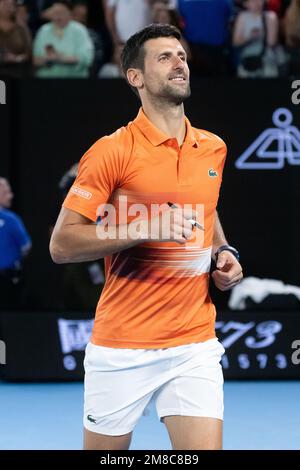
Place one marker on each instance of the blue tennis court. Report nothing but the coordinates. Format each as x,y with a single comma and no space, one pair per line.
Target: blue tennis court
258,415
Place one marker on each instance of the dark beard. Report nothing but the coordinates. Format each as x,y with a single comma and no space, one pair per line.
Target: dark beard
170,95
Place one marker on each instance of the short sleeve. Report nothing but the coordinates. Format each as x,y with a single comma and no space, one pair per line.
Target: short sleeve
84,46
221,154
39,42
99,174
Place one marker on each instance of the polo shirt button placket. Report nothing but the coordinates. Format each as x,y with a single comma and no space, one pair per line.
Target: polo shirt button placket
174,145
180,168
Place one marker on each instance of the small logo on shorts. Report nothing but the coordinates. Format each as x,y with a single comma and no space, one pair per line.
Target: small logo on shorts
91,419
81,192
212,172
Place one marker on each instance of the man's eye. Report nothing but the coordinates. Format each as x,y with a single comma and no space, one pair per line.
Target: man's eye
163,57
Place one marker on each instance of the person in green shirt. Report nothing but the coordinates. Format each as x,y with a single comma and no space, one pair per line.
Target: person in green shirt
62,47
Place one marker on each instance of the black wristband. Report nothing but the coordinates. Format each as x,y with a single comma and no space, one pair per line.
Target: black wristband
227,248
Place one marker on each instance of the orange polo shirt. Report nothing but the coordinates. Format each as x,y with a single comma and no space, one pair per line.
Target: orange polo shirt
156,294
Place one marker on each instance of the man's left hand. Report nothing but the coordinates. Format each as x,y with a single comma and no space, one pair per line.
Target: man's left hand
229,271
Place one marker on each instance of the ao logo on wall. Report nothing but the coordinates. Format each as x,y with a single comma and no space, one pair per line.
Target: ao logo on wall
74,336
274,147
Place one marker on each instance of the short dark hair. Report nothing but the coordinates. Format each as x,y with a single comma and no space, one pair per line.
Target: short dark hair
133,53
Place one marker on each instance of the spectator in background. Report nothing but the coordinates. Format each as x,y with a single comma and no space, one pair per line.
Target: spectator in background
15,243
291,31
113,69
62,47
292,25
207,31
124,18
274,5
21,13
255,33
15,42
80,13
34,12
284,6
162,13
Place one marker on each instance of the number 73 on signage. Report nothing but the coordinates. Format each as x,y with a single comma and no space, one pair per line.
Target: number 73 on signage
264,333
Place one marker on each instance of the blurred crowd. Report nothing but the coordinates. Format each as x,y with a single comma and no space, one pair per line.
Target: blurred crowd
51,38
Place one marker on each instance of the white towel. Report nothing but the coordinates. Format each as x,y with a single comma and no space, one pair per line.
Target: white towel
258,289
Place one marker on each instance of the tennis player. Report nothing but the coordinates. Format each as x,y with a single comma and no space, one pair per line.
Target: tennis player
154,332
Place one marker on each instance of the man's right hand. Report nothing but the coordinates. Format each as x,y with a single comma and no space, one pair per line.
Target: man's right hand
172,225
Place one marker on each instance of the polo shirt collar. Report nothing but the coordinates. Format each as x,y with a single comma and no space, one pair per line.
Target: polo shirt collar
157,137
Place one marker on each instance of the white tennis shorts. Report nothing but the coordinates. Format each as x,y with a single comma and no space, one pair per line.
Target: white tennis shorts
120,383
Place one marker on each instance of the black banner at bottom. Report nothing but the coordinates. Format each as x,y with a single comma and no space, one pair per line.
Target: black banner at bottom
136,459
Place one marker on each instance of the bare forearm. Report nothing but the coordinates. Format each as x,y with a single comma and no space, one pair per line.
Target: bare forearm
78,243
239,40
75,238
111,24
219,238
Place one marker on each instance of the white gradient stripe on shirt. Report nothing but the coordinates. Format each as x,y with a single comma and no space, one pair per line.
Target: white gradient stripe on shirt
187,262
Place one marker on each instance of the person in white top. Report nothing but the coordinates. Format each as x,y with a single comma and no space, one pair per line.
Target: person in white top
250,28
126,17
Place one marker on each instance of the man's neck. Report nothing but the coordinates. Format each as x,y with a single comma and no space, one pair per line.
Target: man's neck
170,120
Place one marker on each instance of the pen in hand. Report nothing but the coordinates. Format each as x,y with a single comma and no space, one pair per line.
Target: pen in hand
192,221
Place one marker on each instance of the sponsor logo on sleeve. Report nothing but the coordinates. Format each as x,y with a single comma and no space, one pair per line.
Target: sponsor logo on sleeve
81,192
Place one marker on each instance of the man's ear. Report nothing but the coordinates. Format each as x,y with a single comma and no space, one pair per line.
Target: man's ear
135,78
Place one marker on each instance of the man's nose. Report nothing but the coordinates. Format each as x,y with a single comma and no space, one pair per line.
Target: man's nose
178,63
